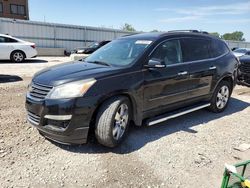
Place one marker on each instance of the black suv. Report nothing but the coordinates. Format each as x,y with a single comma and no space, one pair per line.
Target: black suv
145,79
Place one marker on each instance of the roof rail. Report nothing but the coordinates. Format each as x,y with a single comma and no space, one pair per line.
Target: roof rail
192,31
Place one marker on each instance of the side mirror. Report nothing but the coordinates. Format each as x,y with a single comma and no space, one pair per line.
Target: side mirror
152,63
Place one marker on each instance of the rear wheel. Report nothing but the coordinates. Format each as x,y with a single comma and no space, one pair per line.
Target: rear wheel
113,121
221,97
17,56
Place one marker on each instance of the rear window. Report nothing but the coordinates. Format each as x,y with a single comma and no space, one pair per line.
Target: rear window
218,48
195,49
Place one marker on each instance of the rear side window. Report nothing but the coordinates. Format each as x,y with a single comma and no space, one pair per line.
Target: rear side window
7,40
2,40
219,48
195,49
169,52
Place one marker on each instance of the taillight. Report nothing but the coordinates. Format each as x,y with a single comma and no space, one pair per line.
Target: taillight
33,46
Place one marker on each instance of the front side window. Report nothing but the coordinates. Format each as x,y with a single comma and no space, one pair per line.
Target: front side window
195,49
1,7
168,52
120,52
17,9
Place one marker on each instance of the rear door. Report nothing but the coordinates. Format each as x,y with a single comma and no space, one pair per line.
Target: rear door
202,70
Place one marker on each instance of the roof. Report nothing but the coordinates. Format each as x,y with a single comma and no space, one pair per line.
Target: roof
3,35
157,35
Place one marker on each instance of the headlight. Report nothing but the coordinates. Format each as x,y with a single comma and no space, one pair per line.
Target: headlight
71,90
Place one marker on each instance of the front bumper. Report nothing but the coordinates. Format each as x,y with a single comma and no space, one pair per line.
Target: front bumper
65,121
243,79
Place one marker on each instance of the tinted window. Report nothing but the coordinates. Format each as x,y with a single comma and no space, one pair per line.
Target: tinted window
219,48
2,40
7,40
169,52
195,49
1,7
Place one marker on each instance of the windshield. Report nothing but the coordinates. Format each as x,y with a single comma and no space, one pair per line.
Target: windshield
241,50
119,52
94,45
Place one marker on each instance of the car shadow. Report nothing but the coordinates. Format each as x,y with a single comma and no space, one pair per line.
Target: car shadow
140,136
9,78
29,61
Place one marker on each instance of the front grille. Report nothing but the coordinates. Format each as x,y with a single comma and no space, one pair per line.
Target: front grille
35,119
39,91
245,67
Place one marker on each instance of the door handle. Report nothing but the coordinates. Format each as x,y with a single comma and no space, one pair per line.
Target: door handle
182,73
212,68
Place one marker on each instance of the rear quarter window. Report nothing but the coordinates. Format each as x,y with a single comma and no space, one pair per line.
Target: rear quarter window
195,49
218,48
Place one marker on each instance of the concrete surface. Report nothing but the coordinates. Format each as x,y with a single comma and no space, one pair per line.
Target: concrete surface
50,51
30,66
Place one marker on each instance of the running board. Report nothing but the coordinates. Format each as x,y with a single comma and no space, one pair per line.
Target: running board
175,114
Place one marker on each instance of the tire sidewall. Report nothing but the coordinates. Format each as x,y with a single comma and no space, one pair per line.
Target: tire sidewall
104,130
123,101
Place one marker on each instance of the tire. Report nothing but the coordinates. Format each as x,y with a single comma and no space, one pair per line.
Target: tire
221,97
111,123
17,56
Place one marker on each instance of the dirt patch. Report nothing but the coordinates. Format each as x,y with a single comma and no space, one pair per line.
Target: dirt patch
189,151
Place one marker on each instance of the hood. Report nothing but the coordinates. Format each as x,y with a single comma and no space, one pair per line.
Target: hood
245,59
72,71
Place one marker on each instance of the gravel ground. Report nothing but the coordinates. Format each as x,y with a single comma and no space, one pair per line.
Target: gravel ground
189,151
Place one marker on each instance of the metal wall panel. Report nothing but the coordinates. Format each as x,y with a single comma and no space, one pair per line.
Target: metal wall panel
57,35
67,36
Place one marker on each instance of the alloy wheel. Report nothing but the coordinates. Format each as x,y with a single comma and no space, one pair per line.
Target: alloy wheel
222,97
18,57
121,121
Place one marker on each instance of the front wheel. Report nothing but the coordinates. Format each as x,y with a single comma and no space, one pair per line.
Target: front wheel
221,97
112,121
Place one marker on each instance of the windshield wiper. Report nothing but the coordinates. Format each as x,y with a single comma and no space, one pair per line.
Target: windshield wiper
99,63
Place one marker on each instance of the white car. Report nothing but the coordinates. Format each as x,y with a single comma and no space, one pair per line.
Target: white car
15,49
241,51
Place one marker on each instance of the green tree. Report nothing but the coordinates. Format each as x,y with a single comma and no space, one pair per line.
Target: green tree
155,30
128,27
237,36
216,34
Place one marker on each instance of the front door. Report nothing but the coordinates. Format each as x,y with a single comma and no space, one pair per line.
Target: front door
166,86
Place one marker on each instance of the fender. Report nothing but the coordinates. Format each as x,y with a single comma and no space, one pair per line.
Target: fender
227,75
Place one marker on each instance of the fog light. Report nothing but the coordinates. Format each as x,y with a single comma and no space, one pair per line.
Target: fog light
58,117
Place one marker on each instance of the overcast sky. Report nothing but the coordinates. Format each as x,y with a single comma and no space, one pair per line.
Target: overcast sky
145,15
